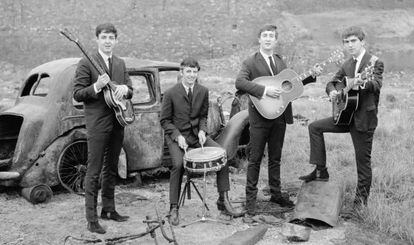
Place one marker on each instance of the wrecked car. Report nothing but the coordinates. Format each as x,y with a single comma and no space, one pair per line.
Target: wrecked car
43,136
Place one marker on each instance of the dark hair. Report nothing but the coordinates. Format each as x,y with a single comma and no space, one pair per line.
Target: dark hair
267,27
353,31
190,62
106,28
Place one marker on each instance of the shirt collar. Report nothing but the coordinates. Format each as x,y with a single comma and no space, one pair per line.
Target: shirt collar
359,58
104,56
186,87
265,56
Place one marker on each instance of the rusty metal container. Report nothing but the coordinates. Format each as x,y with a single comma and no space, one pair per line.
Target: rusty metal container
318,202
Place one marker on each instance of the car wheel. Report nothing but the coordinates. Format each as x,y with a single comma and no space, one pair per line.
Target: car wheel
72,165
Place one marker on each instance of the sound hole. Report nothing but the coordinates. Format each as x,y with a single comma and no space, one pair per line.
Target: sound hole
287,86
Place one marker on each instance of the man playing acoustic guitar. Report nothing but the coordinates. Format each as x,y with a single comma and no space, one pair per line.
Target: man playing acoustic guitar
263,130
105,134
364,121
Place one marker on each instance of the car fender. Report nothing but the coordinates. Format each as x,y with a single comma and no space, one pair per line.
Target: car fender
229,138
44,169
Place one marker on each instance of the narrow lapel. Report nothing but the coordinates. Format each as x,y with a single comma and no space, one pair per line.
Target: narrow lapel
263,63
182,92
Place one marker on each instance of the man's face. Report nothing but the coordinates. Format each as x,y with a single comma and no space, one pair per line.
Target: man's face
189,75
267,40
106,42
353,45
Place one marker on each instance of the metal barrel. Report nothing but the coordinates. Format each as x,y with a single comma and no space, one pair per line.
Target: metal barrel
38,193
318,202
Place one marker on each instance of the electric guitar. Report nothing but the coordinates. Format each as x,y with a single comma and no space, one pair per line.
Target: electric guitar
123,108
290,83
346,102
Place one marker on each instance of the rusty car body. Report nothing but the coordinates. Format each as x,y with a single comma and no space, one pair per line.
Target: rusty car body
43,136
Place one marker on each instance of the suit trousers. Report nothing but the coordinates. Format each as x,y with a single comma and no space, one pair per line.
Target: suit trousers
177,170
272,133
103,154
362,142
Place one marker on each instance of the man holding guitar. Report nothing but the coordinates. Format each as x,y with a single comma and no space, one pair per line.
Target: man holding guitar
364,119
263,129
105,133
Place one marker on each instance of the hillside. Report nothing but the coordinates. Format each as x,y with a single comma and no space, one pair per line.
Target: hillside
171,29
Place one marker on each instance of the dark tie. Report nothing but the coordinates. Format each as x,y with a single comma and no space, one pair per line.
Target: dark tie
353,66
110,66
272,65
190,95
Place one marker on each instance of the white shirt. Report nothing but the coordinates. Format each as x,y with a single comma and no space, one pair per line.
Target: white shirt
358,59
266,57
186,88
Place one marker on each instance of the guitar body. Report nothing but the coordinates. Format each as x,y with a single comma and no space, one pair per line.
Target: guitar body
123,109
344,107
286,81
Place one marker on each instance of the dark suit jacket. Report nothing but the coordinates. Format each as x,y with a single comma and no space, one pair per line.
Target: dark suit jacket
179,118
253,67
99,117
365,117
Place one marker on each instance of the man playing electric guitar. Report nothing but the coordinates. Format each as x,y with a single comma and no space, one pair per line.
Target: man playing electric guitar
364,121
105,134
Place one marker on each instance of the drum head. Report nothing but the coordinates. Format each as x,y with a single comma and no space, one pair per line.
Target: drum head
204,154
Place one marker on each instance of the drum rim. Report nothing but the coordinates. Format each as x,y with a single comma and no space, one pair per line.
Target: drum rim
211,158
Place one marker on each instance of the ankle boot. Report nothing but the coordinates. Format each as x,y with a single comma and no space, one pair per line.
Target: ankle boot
224,204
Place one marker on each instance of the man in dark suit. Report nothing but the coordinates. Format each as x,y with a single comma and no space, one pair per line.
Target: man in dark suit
271,131
105,134
364,121
184,120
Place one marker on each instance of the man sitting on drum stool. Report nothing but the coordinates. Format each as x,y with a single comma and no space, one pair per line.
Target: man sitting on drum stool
184,120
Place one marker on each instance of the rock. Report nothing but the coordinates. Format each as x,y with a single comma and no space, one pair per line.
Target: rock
249,236
295,233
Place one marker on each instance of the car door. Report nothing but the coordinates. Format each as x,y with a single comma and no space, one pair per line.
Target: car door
143,139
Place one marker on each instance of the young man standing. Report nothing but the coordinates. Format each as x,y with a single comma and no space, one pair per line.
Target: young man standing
184,120
271,131
364,120
105,134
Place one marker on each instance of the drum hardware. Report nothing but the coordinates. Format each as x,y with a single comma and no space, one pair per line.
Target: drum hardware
152,225
204,160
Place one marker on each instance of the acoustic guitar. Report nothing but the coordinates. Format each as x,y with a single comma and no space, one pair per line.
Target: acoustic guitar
346,102
290,83
122,108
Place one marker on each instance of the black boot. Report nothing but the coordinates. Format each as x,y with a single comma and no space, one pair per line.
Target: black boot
224,204
319,174
114,215
95,227
174,215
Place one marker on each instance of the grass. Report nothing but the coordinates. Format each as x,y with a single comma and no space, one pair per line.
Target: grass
391,203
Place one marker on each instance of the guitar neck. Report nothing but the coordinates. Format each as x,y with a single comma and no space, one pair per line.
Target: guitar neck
94,63
309,72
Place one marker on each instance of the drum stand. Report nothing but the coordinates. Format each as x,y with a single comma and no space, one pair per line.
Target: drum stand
187,189
203,217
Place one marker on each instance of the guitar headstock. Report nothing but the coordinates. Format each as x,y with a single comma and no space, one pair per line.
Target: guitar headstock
337,57
66,33
368,73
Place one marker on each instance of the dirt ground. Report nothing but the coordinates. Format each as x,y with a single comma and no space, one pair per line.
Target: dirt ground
50,223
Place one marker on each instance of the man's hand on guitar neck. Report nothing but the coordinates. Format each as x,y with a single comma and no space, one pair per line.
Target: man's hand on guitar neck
355,83
317,70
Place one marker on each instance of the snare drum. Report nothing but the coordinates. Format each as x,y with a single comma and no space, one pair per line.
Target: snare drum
205,159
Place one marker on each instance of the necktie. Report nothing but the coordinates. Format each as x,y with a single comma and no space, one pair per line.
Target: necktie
190,95
272,65
110,65
353,66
